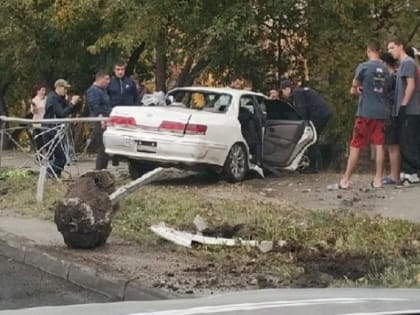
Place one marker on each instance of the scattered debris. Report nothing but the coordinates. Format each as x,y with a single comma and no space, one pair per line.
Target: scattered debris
200,223
187,239
265,246
333,187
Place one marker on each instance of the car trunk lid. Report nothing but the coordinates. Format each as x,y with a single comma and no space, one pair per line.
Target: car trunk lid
176,121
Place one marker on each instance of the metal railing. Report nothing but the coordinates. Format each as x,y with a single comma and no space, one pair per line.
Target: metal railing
60,135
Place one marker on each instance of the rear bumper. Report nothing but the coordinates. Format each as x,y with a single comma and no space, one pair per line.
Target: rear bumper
169,150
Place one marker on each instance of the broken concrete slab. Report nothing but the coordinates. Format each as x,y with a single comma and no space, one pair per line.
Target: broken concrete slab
186,239
200,223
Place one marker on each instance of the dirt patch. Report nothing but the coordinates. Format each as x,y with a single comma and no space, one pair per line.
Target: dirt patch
341,256
84,216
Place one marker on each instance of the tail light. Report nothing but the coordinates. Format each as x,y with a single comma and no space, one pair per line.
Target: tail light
122,121
181,128
196,129
172,126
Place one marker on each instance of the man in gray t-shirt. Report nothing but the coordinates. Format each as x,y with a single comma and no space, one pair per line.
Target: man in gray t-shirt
369,85
407,81
407,98
371,74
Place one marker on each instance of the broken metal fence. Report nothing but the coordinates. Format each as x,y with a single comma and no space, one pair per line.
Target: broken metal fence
61,135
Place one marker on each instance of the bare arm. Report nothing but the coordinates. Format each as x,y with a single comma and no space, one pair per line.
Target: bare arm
355,87
409,91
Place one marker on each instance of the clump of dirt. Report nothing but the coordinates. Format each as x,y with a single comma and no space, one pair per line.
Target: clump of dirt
338,266
226,230
318,266
84,215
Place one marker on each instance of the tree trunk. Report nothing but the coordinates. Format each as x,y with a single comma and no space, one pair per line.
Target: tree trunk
279,62
3,107
161,61
135,55
7,144
413,32
183,76
189,73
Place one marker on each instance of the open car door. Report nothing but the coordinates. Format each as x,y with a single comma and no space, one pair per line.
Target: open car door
286,136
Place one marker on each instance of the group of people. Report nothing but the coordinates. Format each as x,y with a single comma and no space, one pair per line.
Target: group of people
101,97
388,87
309,105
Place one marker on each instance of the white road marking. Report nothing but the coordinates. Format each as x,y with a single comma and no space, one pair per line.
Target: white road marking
401,312
261,305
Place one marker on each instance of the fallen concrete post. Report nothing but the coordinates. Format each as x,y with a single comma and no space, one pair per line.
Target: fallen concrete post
131,187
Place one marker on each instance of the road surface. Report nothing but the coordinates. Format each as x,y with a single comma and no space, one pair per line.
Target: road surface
22,286
263,302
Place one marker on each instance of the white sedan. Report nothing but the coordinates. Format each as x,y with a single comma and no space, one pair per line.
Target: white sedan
204,128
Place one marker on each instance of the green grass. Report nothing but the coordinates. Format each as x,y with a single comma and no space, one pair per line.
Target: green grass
386,251
21,196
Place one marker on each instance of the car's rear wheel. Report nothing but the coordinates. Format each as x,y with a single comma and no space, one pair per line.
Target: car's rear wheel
137,169
236,165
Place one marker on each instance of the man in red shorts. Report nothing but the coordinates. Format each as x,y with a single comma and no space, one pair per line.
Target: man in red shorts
369,85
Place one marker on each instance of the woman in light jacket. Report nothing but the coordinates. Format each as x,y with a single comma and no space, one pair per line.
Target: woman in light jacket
38,111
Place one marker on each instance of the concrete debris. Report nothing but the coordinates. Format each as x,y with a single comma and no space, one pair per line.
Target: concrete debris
200,223
186,239
265,246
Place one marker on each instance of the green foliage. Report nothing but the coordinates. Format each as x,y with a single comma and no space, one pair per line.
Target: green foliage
14,173
262,40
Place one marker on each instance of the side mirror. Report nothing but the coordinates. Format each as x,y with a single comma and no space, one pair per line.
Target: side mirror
170,99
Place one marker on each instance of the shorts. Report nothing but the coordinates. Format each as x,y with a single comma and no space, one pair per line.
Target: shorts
392,131
366,130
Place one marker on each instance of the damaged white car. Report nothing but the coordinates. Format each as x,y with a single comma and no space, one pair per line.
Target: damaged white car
218,129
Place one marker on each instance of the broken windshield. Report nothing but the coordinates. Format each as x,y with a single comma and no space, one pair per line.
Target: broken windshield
201,100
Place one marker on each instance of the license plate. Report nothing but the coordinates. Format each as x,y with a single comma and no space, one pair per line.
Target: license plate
146,146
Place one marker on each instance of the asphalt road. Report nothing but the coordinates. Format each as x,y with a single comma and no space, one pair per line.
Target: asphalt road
263,302
22,286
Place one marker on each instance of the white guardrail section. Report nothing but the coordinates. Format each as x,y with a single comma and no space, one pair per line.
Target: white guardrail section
61,126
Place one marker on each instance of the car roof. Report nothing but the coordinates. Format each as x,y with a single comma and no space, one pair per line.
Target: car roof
228,90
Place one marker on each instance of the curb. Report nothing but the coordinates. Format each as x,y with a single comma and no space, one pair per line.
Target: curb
80,275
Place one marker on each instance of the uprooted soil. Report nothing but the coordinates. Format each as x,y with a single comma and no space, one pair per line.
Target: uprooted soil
203,270
186,272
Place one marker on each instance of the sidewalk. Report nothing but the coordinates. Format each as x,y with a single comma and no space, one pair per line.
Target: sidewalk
118,270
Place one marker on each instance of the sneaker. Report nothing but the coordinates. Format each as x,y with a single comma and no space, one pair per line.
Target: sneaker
411,178
258,170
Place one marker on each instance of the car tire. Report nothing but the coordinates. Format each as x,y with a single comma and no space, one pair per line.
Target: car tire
236,166
137,169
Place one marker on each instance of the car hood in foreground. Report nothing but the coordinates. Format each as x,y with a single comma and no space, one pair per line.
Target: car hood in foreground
278,301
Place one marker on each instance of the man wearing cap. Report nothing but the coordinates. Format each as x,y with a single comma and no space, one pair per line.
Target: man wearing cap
57,107
311,106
